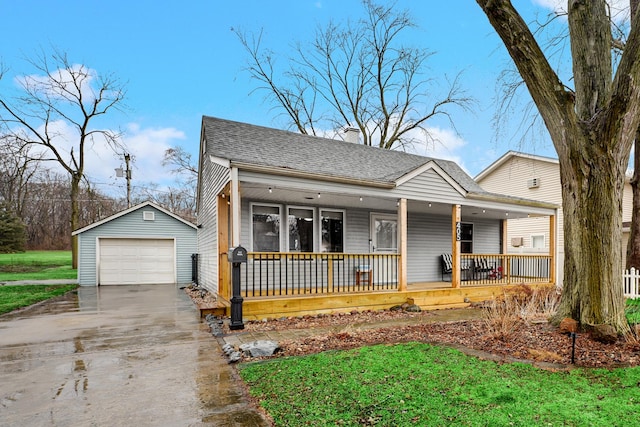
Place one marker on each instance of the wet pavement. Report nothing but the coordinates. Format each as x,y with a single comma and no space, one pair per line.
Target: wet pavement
117,356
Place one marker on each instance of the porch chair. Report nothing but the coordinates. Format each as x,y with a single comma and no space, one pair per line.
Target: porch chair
481,268
363,274
446,265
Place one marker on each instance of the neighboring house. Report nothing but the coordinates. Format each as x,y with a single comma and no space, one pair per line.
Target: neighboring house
335,225
537,177
145,244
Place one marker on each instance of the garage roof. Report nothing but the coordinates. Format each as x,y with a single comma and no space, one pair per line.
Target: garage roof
132,209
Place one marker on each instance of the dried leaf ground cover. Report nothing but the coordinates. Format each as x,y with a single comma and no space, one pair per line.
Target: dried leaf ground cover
424,384
534,341
512,328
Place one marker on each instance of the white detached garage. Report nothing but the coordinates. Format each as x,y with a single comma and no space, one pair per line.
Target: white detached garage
145,244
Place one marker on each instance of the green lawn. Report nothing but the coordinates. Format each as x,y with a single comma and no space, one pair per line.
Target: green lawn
36,265
13,297
422,384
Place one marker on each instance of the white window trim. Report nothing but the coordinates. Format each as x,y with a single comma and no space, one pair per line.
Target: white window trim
387,216
285,225
544,240
344,228
271,205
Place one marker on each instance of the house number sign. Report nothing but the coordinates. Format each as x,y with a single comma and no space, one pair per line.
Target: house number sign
458,231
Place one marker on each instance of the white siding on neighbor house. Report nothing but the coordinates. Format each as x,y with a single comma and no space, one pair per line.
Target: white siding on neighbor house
429,186
216,177
512,178
131,226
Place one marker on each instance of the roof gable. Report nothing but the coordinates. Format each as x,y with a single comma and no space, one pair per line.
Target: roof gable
507,157
130,210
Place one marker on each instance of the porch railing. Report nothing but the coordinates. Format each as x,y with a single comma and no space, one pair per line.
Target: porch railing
480,269
296,273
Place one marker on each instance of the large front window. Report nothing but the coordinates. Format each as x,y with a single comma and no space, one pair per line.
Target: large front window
300,229
266,228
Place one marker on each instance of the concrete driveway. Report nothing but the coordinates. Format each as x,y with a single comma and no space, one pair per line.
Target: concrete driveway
117,356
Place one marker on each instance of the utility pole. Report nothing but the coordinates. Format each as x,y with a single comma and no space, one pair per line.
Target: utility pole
127,158
127,174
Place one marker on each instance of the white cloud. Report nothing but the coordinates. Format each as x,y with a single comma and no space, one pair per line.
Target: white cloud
440,144
145,145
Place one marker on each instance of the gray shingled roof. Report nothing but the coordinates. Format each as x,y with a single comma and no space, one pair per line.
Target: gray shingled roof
258,145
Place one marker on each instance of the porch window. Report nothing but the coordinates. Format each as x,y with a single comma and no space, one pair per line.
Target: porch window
300,229
332,230
466,238
266,228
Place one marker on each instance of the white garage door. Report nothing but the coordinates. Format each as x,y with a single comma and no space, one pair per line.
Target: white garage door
136,261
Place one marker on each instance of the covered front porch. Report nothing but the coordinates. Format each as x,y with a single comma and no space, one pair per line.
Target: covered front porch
406,240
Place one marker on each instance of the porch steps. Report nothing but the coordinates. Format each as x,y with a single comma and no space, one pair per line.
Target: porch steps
221,308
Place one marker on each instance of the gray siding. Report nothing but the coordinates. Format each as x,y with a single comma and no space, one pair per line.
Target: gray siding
132,225
428,236
216,177
429,186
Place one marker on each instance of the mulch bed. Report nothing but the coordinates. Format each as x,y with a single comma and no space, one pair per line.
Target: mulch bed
536,341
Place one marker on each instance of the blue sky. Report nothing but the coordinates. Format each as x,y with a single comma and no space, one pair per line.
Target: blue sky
180,61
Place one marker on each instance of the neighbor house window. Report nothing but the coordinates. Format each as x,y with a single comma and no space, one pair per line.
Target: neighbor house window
537,241
466,238
332,230
300,222
266,228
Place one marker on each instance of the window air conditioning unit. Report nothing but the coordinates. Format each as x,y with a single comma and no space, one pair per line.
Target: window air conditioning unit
533,183
516,242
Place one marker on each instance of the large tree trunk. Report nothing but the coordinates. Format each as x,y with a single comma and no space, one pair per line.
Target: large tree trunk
592,204
592,128
75,216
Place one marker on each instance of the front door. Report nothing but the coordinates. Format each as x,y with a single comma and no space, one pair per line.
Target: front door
384,240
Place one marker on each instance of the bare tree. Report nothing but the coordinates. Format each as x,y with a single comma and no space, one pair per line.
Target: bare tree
18,167
357,75
64,94
592,128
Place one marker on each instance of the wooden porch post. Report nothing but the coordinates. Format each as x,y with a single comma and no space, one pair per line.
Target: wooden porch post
402,245
235,208
224,273
552,248
505,241
456,217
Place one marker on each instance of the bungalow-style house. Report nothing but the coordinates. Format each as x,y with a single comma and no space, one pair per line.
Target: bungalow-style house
538,178
333,225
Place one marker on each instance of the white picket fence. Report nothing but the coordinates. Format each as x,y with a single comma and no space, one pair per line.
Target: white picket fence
631,283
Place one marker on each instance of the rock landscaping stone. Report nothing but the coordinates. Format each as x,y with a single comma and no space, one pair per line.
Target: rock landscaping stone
260,348
568,325
215,325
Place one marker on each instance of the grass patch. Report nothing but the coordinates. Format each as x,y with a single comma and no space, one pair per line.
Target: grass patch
423,384
36,265
632,311
14,297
